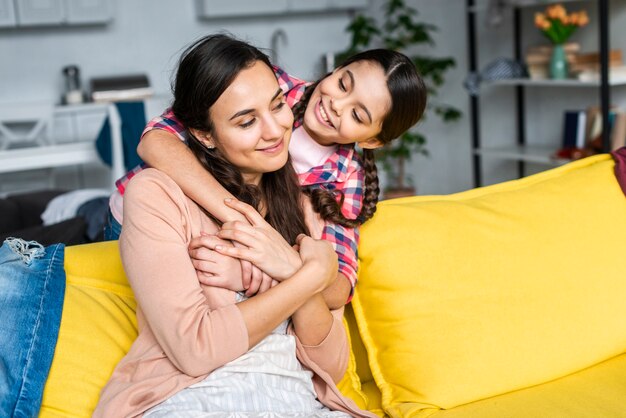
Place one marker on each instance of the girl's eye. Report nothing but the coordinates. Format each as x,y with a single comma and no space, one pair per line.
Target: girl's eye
356,117
342,86
247,124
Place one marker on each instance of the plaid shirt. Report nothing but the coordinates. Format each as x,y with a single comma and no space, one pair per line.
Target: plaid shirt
342,172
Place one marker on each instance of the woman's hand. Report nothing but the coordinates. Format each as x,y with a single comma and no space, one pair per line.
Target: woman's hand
264,246
213,268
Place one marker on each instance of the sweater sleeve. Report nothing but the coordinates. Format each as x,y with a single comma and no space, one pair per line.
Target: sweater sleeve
153,245
332,354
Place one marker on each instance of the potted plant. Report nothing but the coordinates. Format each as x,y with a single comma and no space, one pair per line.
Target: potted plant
399,30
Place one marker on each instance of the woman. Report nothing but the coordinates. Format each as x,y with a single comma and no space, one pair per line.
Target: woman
209,351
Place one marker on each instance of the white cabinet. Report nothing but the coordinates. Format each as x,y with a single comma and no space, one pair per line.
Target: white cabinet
220,8
88,11
234,8
61,12
7,14
39,12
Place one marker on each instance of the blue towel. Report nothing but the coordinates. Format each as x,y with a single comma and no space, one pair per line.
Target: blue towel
133,118
32,291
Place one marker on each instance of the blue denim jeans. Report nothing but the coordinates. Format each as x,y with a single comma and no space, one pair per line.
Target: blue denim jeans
32,290
112,228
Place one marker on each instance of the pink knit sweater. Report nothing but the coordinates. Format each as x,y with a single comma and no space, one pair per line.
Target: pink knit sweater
187,330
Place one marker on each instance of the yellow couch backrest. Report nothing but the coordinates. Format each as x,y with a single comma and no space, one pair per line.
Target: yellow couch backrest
475,294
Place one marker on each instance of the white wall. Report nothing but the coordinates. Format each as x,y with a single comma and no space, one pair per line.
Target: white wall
148,36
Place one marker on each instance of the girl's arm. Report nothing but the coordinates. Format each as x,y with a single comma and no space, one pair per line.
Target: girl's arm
164,151
196,337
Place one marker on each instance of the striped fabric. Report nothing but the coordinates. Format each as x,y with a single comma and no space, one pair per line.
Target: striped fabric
342,173
267,381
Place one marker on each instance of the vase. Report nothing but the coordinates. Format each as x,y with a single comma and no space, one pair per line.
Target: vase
558,63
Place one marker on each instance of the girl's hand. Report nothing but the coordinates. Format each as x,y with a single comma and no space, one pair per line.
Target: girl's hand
253,279
213,268
264,246
321,254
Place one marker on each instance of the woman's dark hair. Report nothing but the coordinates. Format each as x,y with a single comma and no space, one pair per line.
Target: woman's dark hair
408,102
205,70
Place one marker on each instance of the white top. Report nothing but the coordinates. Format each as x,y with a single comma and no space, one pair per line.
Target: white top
267,381
306,153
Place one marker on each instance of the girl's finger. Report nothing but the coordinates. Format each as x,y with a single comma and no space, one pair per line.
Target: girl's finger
248,211
240,236
246,273
237,252
266,283
255,284
202,266
206,241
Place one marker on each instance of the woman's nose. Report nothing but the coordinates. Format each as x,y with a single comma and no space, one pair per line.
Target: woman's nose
272,129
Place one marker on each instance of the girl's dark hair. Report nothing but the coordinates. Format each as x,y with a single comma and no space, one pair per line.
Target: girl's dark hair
205,70
408,102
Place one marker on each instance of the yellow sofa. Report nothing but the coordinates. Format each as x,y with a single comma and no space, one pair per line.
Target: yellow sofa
504,301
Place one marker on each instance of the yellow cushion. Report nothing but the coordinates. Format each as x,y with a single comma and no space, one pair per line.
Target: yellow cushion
479,293
599,391
98,327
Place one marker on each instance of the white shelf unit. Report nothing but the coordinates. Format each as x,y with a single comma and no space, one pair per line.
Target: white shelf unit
521,151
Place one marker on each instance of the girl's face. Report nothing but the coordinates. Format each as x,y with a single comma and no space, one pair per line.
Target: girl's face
349,106
252,123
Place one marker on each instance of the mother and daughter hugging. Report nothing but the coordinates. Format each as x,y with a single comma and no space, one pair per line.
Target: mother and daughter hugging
240,242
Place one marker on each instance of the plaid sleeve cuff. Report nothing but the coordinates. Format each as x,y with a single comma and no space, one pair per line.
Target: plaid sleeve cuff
168,122
348,271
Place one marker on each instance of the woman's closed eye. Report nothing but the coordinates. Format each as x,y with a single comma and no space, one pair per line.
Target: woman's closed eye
356,117
279,105
247,124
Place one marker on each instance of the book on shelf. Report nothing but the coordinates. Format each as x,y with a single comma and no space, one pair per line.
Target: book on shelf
618,133
574,129
595,127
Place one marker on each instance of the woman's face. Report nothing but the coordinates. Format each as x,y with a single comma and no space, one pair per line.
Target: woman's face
252,123
349,106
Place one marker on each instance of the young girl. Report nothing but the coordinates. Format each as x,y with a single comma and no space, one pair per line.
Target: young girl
371,99
208,351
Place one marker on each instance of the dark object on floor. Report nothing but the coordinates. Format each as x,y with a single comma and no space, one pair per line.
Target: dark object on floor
20,217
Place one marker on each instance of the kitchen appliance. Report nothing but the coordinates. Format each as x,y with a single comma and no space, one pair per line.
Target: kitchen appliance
73,92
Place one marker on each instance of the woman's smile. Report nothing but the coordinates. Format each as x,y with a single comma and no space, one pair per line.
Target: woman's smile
274,149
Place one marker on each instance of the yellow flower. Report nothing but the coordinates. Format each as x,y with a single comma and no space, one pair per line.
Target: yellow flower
574,18
583,19
540,18
556,12
546,25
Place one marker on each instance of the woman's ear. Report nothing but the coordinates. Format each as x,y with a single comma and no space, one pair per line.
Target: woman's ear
371,143
204,137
